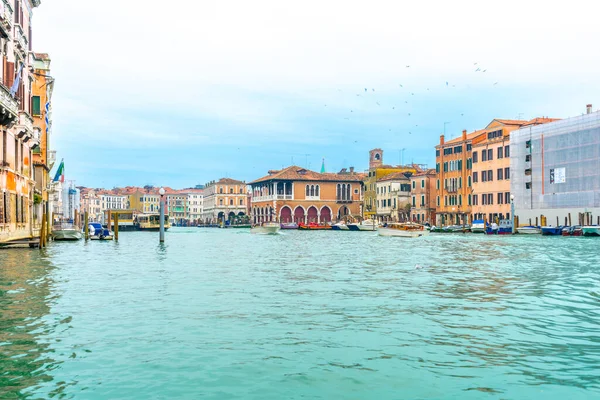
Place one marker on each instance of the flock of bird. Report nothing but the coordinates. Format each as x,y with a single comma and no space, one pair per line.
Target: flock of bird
370,96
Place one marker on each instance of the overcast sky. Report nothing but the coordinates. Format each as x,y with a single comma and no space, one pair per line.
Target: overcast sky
181,92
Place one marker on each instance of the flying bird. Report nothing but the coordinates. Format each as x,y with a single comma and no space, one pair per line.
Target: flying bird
365,89
409,114
373,89
393,108
478,69
484,70
495,83
377,103
400,85
408,66
446,83
475,64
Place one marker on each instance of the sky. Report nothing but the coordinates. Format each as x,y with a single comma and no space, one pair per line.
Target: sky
183,92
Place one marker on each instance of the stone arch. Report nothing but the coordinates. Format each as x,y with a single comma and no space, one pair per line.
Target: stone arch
299,214
312,214
325,214
285,215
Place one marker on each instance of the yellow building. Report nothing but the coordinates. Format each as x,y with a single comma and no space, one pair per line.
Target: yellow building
378,170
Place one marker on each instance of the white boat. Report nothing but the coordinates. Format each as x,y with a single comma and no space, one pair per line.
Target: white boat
478,226
340,226
529,230
591,230
267,228
366,225
66,232
408,229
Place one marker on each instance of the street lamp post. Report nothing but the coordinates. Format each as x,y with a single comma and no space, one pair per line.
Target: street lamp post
162,214
512,212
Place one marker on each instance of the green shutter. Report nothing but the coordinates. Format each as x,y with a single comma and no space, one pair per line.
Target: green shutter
36,105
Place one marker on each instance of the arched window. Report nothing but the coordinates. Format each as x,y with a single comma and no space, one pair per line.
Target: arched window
230,202
312,190
231,190
348,193
317,191
220,202
307,190
221,190
337,194
241,190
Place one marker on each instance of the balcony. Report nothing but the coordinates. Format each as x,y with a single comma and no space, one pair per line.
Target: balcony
6,19
344,201
24,129
9,108
20,39
451,189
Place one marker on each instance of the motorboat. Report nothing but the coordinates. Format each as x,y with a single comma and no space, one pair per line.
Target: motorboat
407,229
97,232
340,226
505,227
492,229
66,232
478,226
267,228
366,225
457,228
289,225
552,230
591,230
529,230
313,226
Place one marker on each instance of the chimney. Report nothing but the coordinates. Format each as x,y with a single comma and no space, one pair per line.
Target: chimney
464,135
441,140
589,108
351,170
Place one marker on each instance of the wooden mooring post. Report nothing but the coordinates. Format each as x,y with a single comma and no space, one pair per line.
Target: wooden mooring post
43,232
86,226
117,227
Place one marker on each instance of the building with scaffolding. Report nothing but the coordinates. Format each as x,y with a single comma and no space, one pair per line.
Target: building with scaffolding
555,171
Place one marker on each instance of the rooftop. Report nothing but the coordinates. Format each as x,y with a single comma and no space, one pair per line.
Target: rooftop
295,173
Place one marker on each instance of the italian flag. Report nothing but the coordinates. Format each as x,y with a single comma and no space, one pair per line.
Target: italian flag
60,172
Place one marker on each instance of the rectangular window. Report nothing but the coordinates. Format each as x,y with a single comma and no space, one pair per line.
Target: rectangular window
414,201
507,173
475,155
528,185
483,155
506,151
500,173
438,184
437,153
475,199
36,105
484,199
500,198
475,176
500,153
528,144
490,176
422,183
528,158
460,165
445,167
469,147
422,200
413,184
490,154
438,201
491,199
458,149
437,168
507,198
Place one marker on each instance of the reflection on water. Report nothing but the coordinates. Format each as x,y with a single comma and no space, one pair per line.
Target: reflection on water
226,314
25,297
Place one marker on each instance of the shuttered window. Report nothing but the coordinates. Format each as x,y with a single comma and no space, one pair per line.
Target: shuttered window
36,105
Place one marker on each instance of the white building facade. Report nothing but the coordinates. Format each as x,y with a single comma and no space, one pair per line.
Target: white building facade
555,171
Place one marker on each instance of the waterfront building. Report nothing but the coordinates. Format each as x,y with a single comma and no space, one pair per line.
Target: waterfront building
377,170
195,204
393,197
177,207
144,200
423,197
491,168
18,138
224,200
44,158
555,171
295,194
91,203
113,201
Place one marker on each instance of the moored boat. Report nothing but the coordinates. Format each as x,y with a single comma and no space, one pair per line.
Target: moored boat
97,232
289,225
552,230
150,222
313,226
366,225
340,226
407,229
529,230
591,230
478,226
267,228
66,232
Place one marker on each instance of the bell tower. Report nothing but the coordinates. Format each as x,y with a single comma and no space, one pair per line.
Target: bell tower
375,158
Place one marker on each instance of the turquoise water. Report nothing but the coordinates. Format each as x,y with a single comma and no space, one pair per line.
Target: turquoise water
223,314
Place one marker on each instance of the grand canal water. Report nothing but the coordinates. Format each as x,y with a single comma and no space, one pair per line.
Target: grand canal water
223,314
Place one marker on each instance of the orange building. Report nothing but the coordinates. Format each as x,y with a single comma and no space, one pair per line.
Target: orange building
453,181
295,194
43,159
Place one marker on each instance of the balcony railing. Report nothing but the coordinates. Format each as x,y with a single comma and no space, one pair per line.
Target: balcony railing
9,113
344,201
451,189
20,39
6,18
273,197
